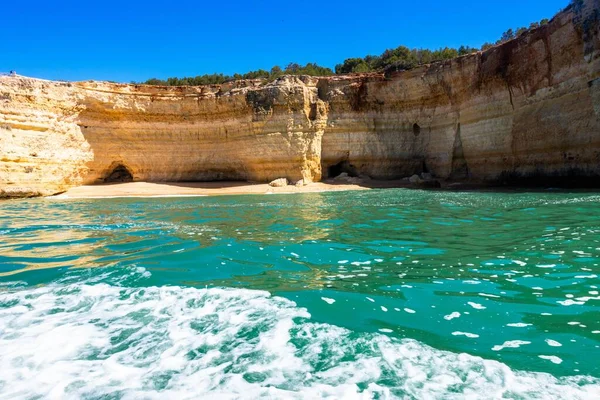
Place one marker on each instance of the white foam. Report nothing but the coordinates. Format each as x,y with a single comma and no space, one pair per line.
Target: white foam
476,306
467,334
570,302
518,325
553,343
493,296
553,359
510,344
93,341
328,300
451,316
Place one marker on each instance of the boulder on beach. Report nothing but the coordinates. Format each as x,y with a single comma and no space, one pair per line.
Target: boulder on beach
280,182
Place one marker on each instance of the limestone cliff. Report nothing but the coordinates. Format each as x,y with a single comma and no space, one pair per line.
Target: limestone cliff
527,108
56,135
42,149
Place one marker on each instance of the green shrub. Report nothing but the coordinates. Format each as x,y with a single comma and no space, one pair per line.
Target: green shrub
400,58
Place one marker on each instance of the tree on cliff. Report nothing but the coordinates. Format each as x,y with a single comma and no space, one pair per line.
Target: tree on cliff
506,36
400,58
464,50
520,31
276,71
312,69
353,65
512,34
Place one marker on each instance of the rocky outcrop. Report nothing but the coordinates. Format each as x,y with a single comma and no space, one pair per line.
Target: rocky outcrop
281,182
529,108
42,148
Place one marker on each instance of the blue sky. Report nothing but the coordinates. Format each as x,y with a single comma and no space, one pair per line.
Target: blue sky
136,40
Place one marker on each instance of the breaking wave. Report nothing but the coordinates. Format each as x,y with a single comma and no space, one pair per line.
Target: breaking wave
96,340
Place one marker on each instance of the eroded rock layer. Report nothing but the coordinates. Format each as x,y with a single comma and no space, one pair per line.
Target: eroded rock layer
527,108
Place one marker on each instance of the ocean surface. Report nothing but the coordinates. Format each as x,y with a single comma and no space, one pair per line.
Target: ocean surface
375,294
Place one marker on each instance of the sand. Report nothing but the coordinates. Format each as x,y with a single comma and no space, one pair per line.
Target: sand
179,189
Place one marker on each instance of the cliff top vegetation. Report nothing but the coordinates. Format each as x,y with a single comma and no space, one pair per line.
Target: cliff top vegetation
400,58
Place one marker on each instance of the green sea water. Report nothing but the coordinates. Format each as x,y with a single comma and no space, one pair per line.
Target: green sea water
374,294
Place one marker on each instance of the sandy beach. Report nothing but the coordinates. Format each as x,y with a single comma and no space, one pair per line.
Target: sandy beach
168,189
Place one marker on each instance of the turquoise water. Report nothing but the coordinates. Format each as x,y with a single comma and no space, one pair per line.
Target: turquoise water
375,294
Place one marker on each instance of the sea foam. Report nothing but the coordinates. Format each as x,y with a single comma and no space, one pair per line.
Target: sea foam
81,341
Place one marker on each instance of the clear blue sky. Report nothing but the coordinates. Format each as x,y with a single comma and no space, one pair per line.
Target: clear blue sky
135,40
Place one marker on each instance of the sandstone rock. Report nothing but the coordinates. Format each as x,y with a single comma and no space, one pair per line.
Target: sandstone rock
530,106
342,177
301,183
481,115
281,182
426,176
13,192
415,179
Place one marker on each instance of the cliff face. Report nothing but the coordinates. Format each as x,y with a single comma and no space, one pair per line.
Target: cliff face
56,135
527,108
42,149
237,132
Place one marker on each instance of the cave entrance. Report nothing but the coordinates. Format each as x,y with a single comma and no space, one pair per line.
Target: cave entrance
416,129
341,167
120,173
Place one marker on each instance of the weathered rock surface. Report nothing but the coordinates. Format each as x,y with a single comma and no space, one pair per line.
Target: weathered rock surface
42,149
527,108
415,179
281,182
